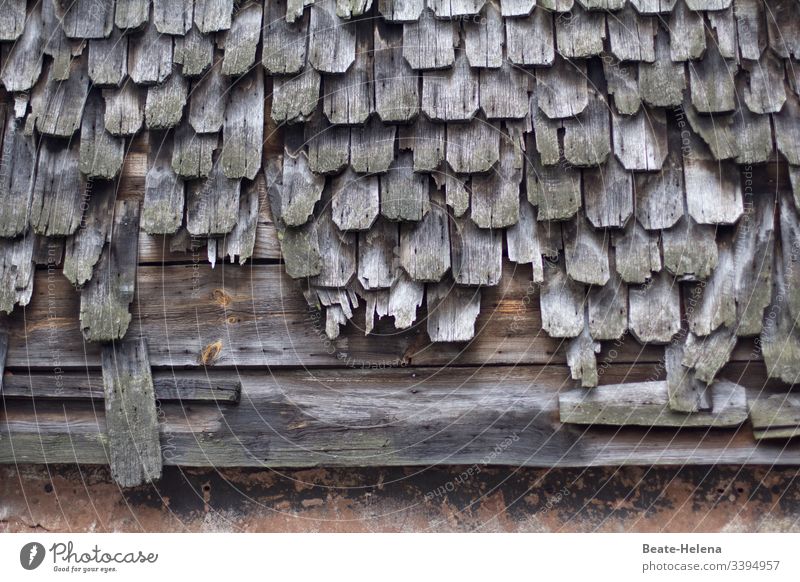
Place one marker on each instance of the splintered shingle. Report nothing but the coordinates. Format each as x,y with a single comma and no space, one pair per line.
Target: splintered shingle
337,251
555,190
12,19
562,302
472,148
586,251
562,89
173,16
452,312
212,204
587,137
283,46
522,240
396,84
623,83
332,41
207,101
349,8
659,196
608,309
194,52
243,130
82,250
212,15
504,92
404,193
483,39
751,26
580,33
163,193
59,111
690,249
124,112
17,168
425,244
372,146
713,191
632,35
790,242
192,153
355,200
164,105
765,92
686,394
16,271
347,99
86,18
516,7
455,193
376,254
495,196
723,27
58,190
328,145
22,67
687,33
711,82
451,95
640,140
401,10
477,253
302,188
712,302
636,253
57,45
101,154
150,56
428,42
454,8
295,98
608,194
242,39
530,40
662,82
783,26
108,60
582,359
787,129
655,309
780,338
715,130
131,13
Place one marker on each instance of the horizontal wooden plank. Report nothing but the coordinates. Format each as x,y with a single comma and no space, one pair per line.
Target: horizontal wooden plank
503,415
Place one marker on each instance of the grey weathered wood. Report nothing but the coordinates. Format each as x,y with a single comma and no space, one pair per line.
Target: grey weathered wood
58,190
659,196
765,92
164,104
428,42
456,193
783,26
58,113
608,194
707,355
687,33
337,250
240,242
752,134
396,84
427,142
348,98
302,189
562,302
349,8
242,39
636,253
243,129
213,15
355,200
101,154
405,297
332,41
401,10
483,39
57,45
17,170
647,404
582,359
376,255
522,240
212,203
207,101
295,98
131,417
283,44
622,81
372,146
608,309
476,253
711,83
425,244
631,35
713,191
555,190
23,65
451,95
715,130
516,7
562,89
545,138
173,16
790,243
686,393
787,129
12,21
124,112
751,28
455,8
328,145
723,26
86,18
711,304
82,250
586,251
662,82
149,56
194,52
690,249
495,196
452,311
192,153
775,416
708,4
131,13
655,309
640,141
106,297
108,60
504,92
531,40
780,339
580,33
587,136
164,193
472,148
404,193
16,271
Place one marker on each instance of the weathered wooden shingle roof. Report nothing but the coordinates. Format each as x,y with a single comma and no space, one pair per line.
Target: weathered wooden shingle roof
606,145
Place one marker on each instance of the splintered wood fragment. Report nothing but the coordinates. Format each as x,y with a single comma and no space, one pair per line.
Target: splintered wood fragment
783,27
108,60
522,240
752,29
428,42
477,253
455,8
636,253
587,137
302,188
404,192
427,142
562,88
608,309
17,170
56,43
456,193
580,33
452,311
332,41
355,200
16,271
723,26
562,302
686,393
396,83
405,296
655,309
516,7
131,415
212,204
283,43
582,359
372,147
787,129
752,134
376,254
59,111
623,84
647,404
58,189
207,101
451,95
483,38
86,18
708,4
149,56
82,249
401,10
213,15
164,192
653,6
101,154
22,65
711,304
690,249
790,243
192,153
495,196
780,337
173,16
609,5
194,52
243,129
12,23
711,82
349,8
765,92
554,190
707,355
106,297
347,99
716,131
242,239
662,82
472,148
586,251
608,194
687,33
530,40
337,251
775,416
631,35
124,112
556,5
546,137
164,105
425,245
131,13
504,92
713,191
295,98
242,39
640,140
328,145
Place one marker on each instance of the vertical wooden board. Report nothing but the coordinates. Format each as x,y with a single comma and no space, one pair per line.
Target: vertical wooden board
790,255
243,129
106,298
302,188
522,240
164,105
783,23
751,28
425,245
715,130
711,304
59,111
582,359
787,129
660,196
765,91
131,415
401,10
337,250
283,43
82,249
516,7
17,170
477,253
530,41
396,83
608,194
23,64
332,41
207,101
131,13
686,393
377,251
212,204
586,251
242,239
455,8
101,154
452,311
780,337
12,22
562,302
58,190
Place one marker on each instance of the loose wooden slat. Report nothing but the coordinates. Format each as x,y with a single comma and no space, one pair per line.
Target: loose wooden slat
425,245
586,251
452,311
23,64
164,193
451,95
58,190
82,250
101,154
212,203
348,98
108,60
707,355
640,141
17,170
495,196
192,153
562,302
355,200
636,253
404,193
396,83
242,39
456,194
376,255
212,15
582,359
332,41
662,82
473,147
530,40
752,134
295,98
173,16
131,415
372,147
124,112
608,194
283,43
580,33
149,56
562,88
302,188
476,253
686,393
243,129
690,249
522,240
655,309
86,18
16,271
608,309
712,303
240,242
631,35
194,52
775,416
337,249
483,39
350,8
